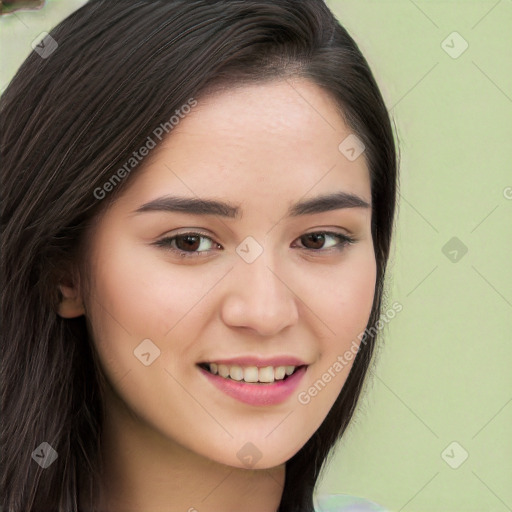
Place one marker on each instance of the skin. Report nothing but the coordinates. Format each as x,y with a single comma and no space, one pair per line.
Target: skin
171,438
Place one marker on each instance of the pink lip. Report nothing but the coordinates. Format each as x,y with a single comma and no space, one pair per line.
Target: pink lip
257,394
259,362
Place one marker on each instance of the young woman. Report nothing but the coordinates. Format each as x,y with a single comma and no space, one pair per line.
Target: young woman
198,204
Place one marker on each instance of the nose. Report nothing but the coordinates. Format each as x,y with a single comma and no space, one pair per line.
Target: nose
259,298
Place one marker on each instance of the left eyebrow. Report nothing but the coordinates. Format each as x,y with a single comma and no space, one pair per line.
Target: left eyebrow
200,206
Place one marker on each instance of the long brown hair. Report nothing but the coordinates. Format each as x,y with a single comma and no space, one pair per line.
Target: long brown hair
67,121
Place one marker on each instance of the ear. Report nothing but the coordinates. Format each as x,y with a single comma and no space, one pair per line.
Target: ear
71,305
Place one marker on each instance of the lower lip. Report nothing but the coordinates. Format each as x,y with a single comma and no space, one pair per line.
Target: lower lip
257,394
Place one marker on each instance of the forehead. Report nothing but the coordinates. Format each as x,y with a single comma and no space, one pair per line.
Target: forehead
274,140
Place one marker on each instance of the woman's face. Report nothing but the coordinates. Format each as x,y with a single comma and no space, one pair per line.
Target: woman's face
251,288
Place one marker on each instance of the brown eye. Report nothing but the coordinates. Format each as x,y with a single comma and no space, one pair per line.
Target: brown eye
315,241
187,244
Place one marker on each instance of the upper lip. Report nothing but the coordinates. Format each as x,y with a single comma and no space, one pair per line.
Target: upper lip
259,362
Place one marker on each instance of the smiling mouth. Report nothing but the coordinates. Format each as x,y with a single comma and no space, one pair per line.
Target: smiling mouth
251,374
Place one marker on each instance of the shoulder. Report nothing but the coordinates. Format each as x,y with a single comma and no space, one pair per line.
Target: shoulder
346,503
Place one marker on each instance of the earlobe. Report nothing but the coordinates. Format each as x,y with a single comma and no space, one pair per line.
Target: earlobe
71,305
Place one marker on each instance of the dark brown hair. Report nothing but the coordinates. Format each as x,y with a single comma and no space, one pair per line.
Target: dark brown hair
67,121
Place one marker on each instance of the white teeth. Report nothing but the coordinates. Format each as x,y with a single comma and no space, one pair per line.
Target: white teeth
251,373
267,374
280,372
236,373
223,370
289,369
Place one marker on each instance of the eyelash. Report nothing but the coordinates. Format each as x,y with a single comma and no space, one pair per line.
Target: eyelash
166,242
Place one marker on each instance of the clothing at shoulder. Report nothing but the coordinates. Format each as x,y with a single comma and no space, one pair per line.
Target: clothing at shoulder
346,503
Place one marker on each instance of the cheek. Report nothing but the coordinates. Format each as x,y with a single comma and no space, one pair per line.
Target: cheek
136,298
343,297
345,310
356,296
138,293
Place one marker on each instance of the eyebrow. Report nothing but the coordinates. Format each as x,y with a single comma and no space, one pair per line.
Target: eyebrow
199,206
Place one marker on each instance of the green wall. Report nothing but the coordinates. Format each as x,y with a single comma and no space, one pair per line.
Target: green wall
443,374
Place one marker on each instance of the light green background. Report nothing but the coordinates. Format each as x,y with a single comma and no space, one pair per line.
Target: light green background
443,372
